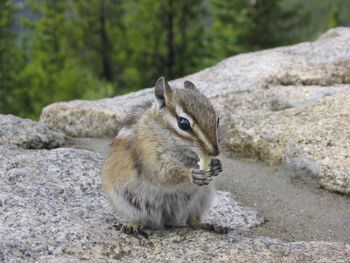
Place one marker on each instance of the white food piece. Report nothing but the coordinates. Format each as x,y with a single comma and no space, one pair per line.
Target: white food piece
204,162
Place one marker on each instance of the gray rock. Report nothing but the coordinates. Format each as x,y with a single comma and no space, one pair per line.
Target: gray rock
324,62
296,160
92,118
28,134
278,103
52,207
270,99
312,137
321,94
227,212
196,246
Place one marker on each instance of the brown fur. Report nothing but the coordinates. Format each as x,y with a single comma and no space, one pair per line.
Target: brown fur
196,105
119,159
199,108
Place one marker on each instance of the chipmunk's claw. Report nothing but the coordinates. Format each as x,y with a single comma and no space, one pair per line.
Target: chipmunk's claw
135,228
201,177
215,167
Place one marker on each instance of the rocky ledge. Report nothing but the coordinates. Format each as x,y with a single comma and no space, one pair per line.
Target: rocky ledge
28,134
52,209
287,105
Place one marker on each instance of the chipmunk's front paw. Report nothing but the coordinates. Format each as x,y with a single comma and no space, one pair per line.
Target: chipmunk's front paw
134,228
215,167
201,177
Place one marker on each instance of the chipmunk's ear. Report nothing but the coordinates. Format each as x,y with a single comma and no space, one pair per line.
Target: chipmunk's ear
189,85
162,91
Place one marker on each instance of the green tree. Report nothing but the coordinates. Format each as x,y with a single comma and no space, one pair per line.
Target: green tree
98,48
46,58
273,25
163,38
10,58
54,71
241,26
101,38
230,29
334,17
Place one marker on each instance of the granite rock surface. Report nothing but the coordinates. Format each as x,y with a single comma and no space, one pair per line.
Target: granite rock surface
287,105
309,136
52,209
324,62
28,134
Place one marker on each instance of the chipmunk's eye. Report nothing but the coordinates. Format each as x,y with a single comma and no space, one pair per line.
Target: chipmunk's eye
184,124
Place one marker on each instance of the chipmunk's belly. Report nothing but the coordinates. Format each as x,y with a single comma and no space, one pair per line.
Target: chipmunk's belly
157,207
175,206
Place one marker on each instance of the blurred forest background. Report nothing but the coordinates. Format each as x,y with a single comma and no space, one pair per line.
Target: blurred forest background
61,50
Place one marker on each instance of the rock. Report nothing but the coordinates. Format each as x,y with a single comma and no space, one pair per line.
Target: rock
325,62
53,208
313,138
191,246
227,212
100,118
274,102
297,161
28,134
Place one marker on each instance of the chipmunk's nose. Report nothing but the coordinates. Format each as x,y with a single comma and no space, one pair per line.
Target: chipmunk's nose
215,151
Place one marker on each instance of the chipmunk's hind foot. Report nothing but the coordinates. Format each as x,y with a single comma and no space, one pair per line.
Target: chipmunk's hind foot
195,223
215,228
135,228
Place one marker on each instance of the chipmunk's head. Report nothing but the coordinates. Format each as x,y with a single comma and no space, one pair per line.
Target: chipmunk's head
189,115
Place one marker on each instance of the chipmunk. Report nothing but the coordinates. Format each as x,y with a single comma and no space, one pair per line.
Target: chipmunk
151,174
